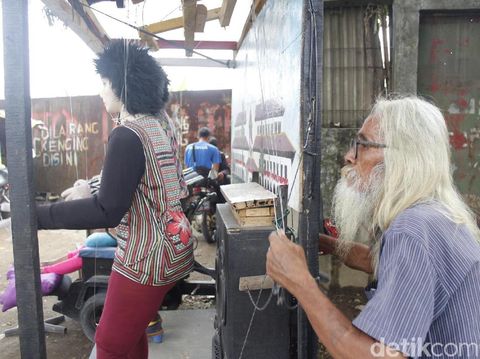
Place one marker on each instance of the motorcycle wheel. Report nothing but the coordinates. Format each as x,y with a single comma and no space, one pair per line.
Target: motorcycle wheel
90,314
217,352
208,228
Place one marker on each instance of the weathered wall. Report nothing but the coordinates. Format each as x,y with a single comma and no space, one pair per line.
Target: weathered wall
354,75
69,141
70,135
449,73
353,78
406,18
266,131
436,44
192,110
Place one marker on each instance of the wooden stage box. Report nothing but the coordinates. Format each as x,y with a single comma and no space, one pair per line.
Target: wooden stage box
251,204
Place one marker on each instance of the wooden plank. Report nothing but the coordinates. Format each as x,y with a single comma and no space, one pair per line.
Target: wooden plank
264,221
177,23
149,41
256,8
243,195
90,20
252,204
64,11
257,212
199,45
189,11
166,25
200,18
255,282
188,61
226,12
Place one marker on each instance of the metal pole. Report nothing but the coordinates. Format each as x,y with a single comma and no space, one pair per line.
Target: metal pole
19,159
312,213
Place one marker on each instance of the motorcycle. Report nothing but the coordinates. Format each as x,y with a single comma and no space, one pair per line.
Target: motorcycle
202,200
83,299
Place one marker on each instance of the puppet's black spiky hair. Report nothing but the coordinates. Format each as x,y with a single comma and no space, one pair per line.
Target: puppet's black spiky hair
137,79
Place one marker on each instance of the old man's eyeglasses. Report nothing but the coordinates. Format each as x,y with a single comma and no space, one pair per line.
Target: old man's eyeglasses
357,142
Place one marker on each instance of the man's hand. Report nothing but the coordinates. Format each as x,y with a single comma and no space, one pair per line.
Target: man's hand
286,262
80,189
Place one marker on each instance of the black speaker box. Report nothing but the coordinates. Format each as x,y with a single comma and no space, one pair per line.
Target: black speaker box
241,253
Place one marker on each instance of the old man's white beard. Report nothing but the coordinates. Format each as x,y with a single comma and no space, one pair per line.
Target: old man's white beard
354,202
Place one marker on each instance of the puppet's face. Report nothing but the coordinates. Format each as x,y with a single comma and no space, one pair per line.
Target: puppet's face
111,101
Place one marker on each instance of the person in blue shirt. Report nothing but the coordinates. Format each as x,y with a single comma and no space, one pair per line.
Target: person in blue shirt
201,155
224,169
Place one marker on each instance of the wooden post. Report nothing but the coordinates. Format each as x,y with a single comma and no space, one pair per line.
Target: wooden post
19,159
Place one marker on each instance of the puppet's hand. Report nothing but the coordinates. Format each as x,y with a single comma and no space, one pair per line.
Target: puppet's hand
80,189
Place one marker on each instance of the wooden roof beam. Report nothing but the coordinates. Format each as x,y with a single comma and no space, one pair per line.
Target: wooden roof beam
255,10
200,18
94,38
198,45
189,19
177,23
226,12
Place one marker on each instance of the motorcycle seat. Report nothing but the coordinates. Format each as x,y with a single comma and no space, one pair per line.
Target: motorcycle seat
98,252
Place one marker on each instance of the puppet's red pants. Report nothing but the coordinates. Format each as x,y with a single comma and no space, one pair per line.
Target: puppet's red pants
128,309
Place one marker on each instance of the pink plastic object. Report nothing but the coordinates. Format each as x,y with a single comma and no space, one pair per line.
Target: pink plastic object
49,282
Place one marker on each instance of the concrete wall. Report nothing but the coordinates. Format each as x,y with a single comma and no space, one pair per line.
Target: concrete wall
406,15
436,47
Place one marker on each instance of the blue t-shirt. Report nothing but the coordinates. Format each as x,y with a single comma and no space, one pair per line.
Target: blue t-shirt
427,302
205,155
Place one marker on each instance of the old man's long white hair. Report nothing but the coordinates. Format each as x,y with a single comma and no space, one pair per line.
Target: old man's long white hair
417,162
416,168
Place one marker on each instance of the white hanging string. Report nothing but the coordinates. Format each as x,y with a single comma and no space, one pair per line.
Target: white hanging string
276,289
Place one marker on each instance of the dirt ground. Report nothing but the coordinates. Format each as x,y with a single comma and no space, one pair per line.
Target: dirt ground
74,344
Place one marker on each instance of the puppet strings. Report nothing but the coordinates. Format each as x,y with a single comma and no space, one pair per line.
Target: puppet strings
277,290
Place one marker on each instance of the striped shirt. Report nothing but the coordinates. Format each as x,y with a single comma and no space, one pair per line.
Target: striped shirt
427,299
154,236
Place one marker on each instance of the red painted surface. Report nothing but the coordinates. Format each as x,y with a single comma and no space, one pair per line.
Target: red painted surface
457,138
71,145
462,103
276,178
434,49
241,163
448,72
465,42
435,86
